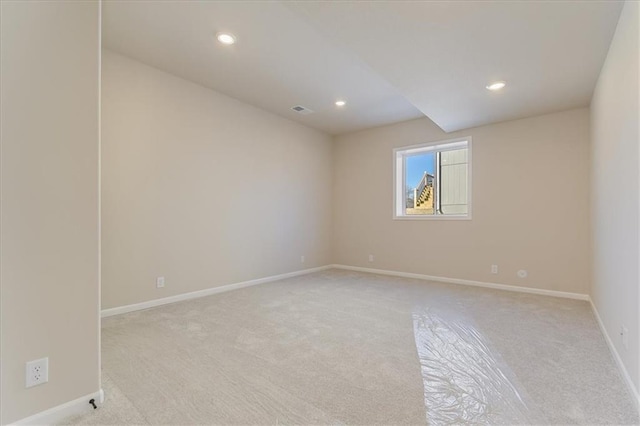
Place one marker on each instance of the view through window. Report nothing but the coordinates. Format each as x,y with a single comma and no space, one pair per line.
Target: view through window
433,180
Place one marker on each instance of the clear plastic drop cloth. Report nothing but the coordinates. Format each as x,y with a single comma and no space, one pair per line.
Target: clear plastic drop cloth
465,382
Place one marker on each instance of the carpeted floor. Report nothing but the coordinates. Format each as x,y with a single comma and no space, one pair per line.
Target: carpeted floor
344,347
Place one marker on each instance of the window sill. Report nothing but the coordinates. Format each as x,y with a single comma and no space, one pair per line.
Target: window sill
434,217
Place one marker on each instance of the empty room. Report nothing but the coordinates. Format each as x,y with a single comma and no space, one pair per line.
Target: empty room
319,212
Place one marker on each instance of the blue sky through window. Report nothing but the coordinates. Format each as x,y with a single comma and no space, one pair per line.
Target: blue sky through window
416,166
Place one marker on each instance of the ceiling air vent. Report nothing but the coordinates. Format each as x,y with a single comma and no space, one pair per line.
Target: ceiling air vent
301,110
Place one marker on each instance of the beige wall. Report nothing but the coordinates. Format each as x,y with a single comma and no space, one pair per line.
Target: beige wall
203,189
615,138
529,204
49,278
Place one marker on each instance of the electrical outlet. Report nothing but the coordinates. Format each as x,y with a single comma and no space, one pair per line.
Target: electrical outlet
159,282
494,269
37,372
624,335
370,258
522,273
301,259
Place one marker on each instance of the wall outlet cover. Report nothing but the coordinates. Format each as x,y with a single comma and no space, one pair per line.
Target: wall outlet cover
37,372
624,333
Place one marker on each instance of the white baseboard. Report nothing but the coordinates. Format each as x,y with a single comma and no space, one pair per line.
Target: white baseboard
62,412
506,287
206,292
215,290
621,367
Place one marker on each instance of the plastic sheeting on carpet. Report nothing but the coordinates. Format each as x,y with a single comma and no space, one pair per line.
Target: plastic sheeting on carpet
464,380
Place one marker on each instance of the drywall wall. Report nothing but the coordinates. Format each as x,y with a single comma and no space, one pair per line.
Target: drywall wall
615,138
530,204
49,280
202,189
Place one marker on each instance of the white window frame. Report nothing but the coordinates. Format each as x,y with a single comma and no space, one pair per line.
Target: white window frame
399,181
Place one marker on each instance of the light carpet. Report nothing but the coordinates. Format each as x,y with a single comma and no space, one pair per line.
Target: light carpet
341,347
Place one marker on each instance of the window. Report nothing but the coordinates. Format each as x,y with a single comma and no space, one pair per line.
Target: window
433,180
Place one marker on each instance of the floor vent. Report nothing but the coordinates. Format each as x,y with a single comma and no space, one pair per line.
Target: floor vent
301,110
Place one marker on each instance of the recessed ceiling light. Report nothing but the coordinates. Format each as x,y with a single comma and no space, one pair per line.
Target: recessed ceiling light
341,103
496,86
226,38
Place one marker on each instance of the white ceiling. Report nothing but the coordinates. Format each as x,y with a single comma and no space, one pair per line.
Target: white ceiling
391,61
